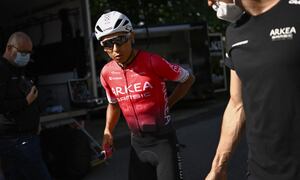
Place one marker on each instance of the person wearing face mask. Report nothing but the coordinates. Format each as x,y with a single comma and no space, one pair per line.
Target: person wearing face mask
134,81
263,54
19,114
227,11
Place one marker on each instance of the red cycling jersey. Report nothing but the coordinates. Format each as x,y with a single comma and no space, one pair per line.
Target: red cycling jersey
140,90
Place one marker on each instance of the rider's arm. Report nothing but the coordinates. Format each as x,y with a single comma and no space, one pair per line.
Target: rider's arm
112,116
232,127
112,113
181,90
173,72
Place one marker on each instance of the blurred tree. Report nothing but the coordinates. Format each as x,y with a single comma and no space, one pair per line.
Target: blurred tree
163,12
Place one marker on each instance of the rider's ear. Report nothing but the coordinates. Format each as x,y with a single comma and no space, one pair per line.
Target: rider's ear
132,37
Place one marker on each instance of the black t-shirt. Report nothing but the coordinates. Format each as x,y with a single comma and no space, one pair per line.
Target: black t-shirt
265,53
16,116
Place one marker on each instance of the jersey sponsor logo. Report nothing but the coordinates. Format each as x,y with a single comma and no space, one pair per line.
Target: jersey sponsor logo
133,75
175,68
166,112
132,88
115,72
114,78
134,96
137,74
142,73
285,33
297,2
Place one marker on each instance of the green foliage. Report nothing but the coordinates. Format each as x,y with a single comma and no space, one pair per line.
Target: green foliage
163,12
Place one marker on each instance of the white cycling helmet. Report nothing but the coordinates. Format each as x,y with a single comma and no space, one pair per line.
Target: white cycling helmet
112,22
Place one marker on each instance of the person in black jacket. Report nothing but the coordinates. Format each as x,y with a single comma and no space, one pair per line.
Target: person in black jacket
19,114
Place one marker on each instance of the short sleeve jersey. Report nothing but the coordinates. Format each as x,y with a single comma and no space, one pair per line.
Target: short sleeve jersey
264,51
140,90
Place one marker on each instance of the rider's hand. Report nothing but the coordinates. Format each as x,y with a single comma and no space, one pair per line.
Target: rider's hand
32,95
107,139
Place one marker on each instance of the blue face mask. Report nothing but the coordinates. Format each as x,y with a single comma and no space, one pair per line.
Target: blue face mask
22,59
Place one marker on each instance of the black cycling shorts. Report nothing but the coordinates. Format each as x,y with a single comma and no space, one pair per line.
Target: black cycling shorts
155,157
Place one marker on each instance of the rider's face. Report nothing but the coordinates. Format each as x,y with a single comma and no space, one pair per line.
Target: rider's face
118,46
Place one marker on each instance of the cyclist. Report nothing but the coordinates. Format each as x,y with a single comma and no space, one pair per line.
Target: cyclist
134,81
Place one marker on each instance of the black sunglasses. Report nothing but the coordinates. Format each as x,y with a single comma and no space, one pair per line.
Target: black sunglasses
119,41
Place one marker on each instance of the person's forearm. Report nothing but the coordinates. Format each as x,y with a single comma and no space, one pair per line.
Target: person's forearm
232,127
181,90
112,116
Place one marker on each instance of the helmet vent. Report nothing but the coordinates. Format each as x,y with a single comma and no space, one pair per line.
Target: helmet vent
117,23
99,29
126,22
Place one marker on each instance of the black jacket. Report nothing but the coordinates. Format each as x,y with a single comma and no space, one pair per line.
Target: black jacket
16,116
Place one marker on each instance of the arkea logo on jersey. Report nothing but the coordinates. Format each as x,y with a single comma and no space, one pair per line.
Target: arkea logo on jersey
297,2
132,88
286,33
